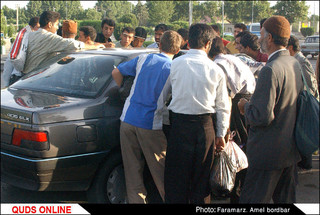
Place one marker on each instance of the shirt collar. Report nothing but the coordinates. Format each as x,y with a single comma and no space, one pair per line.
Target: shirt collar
197,51
273,53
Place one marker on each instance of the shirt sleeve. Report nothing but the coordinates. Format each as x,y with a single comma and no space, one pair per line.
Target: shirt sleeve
56,43
222,107
129,67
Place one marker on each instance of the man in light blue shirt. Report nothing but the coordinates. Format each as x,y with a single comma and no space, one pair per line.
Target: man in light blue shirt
158,32
141,127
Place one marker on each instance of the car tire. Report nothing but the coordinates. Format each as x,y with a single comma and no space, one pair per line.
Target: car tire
109,184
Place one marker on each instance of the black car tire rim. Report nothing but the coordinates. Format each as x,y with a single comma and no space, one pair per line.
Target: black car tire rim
116,188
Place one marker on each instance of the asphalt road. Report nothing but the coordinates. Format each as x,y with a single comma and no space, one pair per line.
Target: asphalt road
307,190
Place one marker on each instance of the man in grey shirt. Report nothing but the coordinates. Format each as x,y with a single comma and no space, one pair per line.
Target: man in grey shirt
44,43
308,71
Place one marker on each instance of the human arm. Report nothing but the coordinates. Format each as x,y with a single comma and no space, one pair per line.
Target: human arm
259,111
117,76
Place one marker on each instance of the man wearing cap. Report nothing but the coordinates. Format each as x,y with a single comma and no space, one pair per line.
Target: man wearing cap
69,29
271,114
139,37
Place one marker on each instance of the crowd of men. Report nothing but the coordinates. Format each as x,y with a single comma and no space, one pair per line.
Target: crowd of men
183,105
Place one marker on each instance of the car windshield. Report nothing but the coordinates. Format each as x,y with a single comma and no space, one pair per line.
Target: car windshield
73,75
312,40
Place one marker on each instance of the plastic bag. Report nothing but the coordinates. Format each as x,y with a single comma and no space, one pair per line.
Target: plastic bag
225,166
223,172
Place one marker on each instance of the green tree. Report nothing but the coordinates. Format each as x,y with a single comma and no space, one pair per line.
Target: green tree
160,11
70,9
261,10
209,9
130,19
292,10
236,11
91,14
11,30
114,9
34,8
3,23
181,11
142,14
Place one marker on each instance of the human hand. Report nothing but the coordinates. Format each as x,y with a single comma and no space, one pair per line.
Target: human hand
241,104
220,143
109,45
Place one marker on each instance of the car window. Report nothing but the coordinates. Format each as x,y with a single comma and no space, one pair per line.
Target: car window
255,28
73,75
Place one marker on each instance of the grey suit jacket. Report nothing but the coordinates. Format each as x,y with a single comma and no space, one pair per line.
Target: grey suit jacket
271,114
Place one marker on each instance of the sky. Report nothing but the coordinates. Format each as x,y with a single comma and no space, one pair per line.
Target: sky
314,5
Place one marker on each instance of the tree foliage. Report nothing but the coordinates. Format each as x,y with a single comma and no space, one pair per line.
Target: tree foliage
292,10
160,11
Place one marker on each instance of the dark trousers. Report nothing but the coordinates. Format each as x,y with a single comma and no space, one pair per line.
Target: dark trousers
13,79
239,125
263,185
189,159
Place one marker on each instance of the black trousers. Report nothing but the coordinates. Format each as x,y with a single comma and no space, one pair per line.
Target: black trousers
189,159
263,185
239,125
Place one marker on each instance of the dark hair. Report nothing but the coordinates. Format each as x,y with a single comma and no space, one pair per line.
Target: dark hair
161,27
34,21
217,47
170,42
109,22
200,34
262,21
241,34
140,32
250,40
216,28
128,29
294,42
241,26
184,33
89,31
48,16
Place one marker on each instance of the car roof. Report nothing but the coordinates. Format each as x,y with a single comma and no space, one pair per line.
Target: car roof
125,52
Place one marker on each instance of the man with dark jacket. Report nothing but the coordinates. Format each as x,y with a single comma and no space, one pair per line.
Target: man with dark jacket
271,113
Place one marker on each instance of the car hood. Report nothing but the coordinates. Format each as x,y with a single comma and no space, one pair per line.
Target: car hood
41,108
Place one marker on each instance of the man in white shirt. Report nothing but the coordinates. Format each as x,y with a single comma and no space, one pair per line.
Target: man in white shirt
45,43
126,38
198,91
241,84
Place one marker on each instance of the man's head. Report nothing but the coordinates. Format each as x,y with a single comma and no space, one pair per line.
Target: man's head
158,31
69,29
107,27
49,20
34,23
217,47
184,33
238,44
87,34
216,29
126,36
170,42
262,21
239,27
249,42
293,45
201,36
275,34
139,37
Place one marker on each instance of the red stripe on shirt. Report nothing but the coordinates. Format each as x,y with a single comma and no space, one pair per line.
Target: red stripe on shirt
17,43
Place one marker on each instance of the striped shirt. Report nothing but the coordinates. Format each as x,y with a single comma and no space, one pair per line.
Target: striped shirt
144,106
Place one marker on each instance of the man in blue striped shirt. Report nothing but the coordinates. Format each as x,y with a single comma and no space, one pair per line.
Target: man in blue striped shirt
141,127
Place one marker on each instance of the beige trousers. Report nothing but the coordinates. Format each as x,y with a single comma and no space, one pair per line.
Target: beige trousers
137,146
